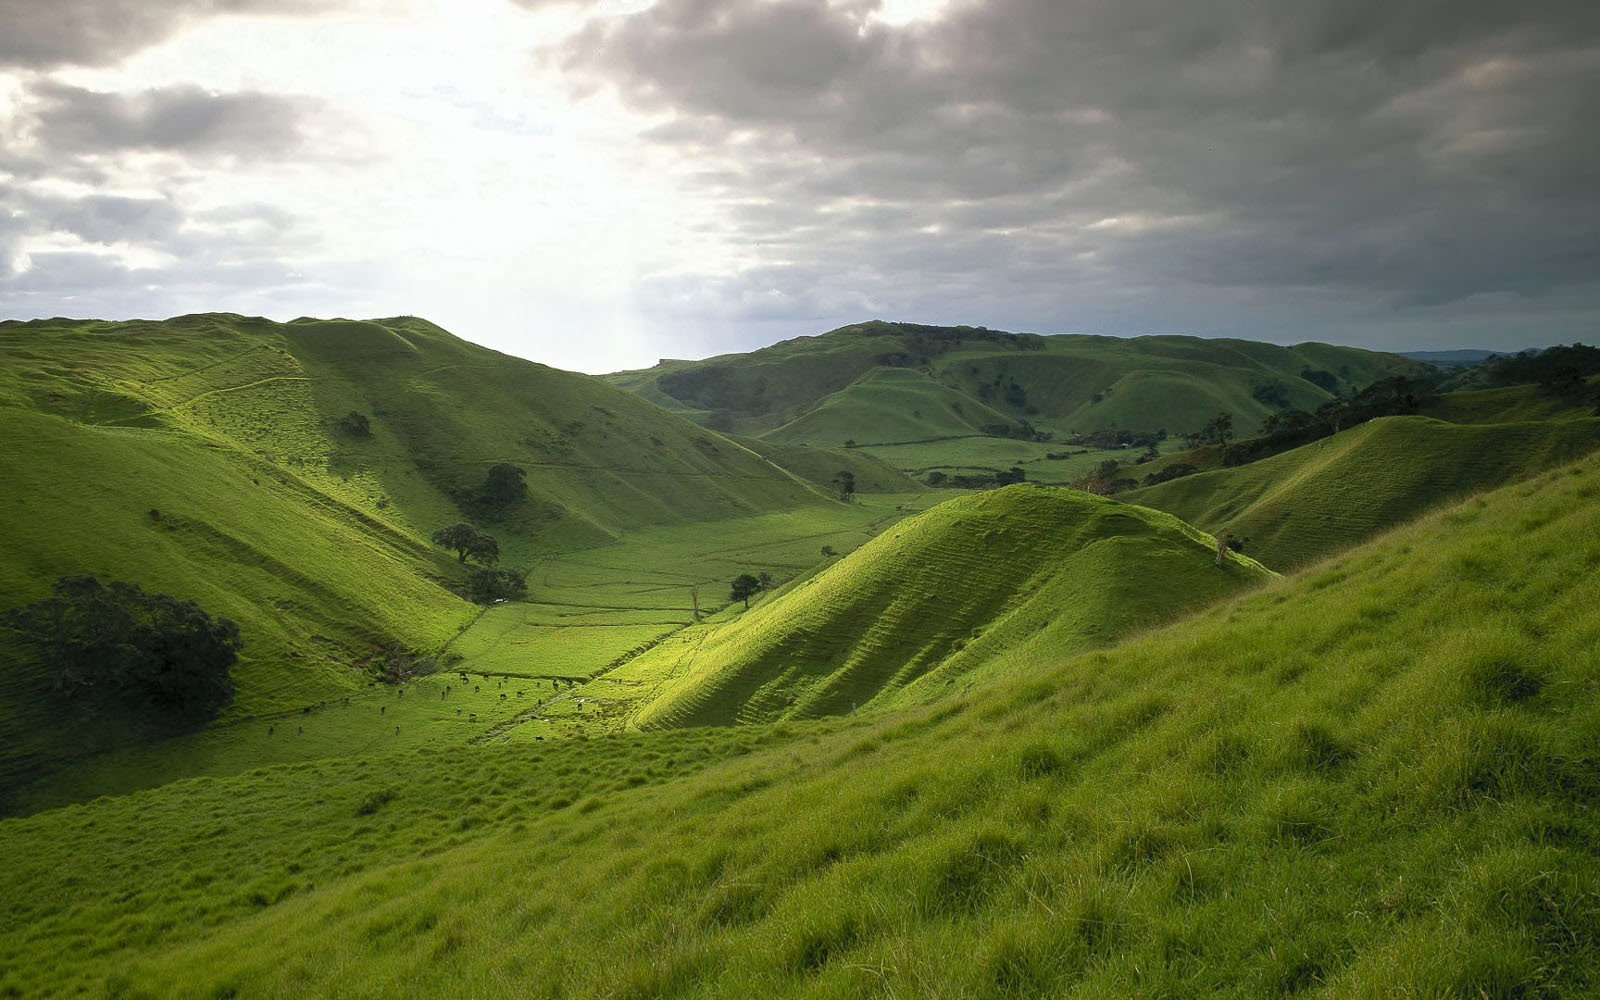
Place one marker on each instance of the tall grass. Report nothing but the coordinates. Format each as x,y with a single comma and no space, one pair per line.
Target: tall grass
1375,779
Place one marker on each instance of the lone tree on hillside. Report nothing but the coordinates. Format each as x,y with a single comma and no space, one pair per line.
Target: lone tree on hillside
355,424
503,486
744,587
113,644
845,483
468,543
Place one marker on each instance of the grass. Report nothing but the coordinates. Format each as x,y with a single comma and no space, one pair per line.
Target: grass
201,456
1374,779
888,405
567,652
932,602
1304,504
819,466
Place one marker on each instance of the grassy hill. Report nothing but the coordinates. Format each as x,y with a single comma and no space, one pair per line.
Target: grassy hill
889,383
1304,504
935,599
207,456
1374,780
819,466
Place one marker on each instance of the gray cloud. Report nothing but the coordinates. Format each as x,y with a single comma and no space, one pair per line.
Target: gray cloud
46,33
181,119
1109,158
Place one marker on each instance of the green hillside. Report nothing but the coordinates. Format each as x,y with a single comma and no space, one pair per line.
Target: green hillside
1375,780
820,466
1304,504
978,579
208,457
892,383
890,405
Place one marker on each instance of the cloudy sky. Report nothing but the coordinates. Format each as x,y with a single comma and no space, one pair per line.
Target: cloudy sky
599,184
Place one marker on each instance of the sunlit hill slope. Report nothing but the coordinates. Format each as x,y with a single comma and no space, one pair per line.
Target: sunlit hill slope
209,456
997,576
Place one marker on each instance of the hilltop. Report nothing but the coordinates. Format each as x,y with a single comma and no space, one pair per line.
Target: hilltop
1374,779
881,384
940,599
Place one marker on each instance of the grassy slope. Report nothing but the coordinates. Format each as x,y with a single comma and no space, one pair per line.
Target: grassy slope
1377,780
1512,404
935,598
315,541
1301,505
819,466
551,657
889,405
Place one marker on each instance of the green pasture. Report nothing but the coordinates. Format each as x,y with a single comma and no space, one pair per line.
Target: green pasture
1304,504
1374,779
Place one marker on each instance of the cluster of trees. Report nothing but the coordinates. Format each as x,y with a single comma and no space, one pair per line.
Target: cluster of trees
1112,438
844,481
980,481
1177,470
1104,479
1022,430
485,584
1217,431
354,424
1293,428
113,646
1562,371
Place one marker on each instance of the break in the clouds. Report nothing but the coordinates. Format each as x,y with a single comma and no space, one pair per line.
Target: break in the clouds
1370,172
597,184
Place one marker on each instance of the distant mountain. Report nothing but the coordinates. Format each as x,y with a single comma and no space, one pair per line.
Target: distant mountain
879,383
1453,359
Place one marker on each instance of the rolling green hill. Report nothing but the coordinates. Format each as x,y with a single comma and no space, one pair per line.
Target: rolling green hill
208,456
889,383
933,601
820,466
1374,780
1304,504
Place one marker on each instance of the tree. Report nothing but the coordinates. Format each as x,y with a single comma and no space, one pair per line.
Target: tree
503,486
468,542
744,587
828,552
486,586
845,482
119,646
355,424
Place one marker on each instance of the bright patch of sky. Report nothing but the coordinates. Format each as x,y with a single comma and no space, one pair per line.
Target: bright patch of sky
595,184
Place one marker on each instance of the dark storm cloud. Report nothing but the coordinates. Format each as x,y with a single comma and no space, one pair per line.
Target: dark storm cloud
1084,153
179,119
45,33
